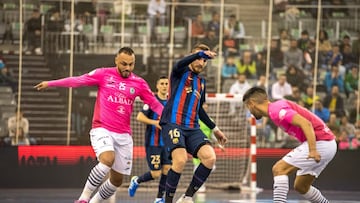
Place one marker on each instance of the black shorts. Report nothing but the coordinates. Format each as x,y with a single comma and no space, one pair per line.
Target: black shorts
156,157
176,136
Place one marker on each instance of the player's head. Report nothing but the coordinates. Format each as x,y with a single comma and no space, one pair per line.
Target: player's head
253,98
162,85
198,65
125,61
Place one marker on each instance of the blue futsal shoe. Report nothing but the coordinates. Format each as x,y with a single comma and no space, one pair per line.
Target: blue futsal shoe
133,186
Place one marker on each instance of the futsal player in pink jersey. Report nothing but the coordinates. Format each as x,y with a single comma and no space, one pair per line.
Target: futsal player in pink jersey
309,159
111,134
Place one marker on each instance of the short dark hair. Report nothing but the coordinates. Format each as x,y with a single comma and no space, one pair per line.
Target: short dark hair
202,47
126,50
162,77
253,91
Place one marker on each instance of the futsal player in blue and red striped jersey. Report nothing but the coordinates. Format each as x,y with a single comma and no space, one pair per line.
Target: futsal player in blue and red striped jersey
180,123
156,155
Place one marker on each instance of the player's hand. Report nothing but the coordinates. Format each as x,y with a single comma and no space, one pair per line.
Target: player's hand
221,138
157,125
41,86
315,155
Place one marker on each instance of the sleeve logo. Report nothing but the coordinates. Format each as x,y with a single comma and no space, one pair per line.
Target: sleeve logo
282,114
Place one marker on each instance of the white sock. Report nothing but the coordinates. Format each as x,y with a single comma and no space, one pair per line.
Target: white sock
315,196
106,190
281,188
95,178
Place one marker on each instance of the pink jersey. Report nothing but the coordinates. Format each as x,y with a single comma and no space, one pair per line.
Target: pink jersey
281,113
115,97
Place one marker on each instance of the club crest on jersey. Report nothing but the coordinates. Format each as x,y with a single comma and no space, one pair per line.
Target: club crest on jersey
122,86
132,90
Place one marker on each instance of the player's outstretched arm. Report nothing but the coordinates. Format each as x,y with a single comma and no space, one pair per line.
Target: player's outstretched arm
41,86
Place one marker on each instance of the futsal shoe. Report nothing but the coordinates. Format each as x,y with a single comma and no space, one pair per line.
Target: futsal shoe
159,200
184,199
133,186
81,201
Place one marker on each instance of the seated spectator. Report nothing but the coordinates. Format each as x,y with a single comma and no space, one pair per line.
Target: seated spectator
334,125
281,88
321,111
295,96
293,56
295,77
156,11
304,40
18,136
261,65
308,97
276,55
197,29
352,81
349,58
334,56
246,65
229,68
347,138
345,41
33,32
333,78
211,40
214,24
6,77
234,29
334,102
261,82
324,46
240,86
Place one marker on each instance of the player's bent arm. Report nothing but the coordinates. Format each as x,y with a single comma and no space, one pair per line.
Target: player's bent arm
144,119
307,129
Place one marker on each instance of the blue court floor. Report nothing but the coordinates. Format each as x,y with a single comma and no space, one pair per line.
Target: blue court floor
147,196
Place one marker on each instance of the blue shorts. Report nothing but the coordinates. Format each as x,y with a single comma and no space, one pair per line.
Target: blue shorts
176,136
156,157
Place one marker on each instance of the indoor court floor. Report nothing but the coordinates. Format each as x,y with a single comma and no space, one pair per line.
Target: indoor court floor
147,196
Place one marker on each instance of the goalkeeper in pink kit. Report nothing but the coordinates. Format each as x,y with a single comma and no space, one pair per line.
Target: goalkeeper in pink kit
111,134
309,159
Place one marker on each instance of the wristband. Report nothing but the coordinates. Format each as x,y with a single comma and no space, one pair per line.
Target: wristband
216,129
203,55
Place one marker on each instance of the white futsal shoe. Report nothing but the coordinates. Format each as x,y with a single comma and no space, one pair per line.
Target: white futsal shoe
184,199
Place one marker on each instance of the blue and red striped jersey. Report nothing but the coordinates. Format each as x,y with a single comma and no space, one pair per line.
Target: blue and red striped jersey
152,133
186,96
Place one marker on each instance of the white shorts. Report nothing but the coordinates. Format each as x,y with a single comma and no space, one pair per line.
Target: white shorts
298,157
122,144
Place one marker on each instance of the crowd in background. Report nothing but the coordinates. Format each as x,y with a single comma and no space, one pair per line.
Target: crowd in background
292,59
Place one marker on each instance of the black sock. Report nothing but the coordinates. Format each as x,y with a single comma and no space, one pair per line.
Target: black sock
162,184
145,177
171,183
199,177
